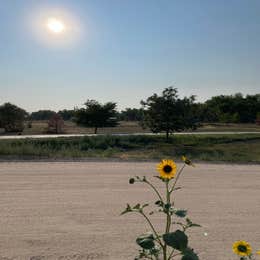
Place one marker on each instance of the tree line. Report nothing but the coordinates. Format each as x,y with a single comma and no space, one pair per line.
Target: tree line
165,112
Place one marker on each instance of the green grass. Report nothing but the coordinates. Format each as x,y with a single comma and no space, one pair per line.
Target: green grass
228,127
40,127
225,148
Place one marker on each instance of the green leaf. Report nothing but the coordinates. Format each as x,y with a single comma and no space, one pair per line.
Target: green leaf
137,206
146,241
191,224
178,240
167,206
148,235
189,254
159,203
188,221
180,213
128,209
145,205
124,212
195,225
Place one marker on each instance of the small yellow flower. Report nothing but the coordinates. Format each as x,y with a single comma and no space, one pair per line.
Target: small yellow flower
242,248
187,161
258,252
167,169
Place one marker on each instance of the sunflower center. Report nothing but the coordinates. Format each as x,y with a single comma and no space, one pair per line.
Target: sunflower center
167,168
242,248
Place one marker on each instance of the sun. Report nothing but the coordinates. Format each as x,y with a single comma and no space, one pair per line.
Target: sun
55,25
56,28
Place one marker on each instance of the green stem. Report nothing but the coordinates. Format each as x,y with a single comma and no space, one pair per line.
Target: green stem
156,191
168,219
168,201
177,177
171,254
152,227
175,255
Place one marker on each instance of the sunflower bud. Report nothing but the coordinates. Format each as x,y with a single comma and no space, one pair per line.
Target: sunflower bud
131,181
187,161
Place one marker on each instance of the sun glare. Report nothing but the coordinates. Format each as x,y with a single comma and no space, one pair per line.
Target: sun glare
55,25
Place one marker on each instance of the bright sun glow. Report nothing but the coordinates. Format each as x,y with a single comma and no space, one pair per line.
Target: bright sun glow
55,25
55,28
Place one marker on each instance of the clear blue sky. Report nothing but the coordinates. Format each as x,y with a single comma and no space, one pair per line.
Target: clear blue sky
128,50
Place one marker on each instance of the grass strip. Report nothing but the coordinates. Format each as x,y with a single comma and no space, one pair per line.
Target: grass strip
221,148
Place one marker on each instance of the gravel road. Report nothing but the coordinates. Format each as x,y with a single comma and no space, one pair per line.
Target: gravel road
70,210
5,137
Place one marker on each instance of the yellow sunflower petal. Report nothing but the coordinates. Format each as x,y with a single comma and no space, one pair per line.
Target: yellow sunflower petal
242,248
167,169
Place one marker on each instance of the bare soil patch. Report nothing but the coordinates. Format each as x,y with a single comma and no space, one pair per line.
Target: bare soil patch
70,210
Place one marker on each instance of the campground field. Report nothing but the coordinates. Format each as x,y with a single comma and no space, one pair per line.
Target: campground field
126,127
70,210
40,127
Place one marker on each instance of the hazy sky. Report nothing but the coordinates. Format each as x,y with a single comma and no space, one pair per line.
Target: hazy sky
126,50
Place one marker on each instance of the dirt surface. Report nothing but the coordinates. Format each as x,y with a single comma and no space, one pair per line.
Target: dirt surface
43,136
70,210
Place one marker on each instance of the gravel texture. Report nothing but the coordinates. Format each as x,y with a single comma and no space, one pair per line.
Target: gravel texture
70,210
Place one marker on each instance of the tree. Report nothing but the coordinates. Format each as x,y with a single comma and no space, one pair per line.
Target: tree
168,113
97,115
257,121
131,114
66,114
55,124
42,115
12,118
232,108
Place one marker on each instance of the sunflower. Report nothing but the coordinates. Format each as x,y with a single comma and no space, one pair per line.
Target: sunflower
187,161
167,169
242,248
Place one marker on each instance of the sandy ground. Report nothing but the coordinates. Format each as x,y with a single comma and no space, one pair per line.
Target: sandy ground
70,210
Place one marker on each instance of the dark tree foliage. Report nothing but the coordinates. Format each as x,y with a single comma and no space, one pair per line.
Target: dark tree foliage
67,114
97,115
42,115
131,114
12,118
168,113
258,118
232,108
